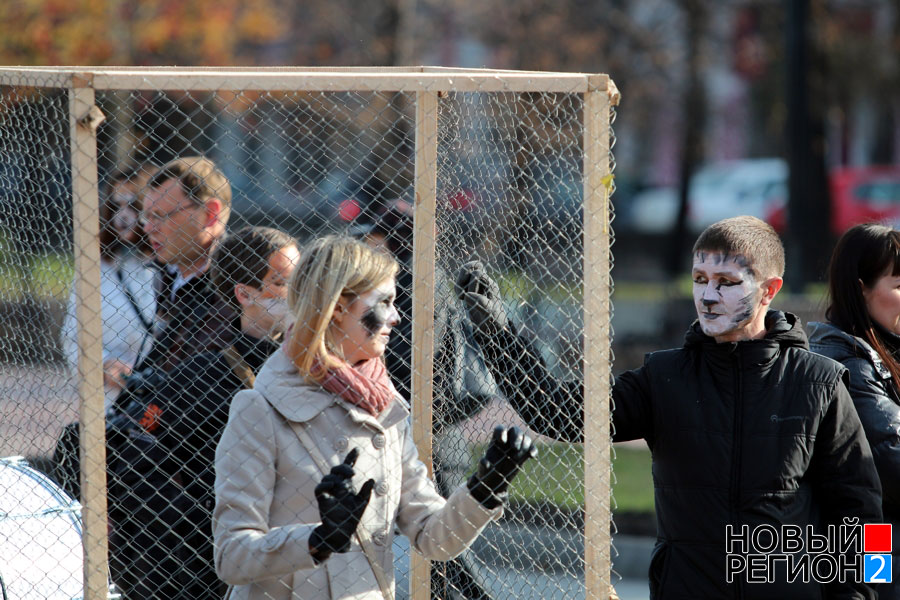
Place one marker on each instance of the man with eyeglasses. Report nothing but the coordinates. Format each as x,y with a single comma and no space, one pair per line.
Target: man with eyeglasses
185,212
186,208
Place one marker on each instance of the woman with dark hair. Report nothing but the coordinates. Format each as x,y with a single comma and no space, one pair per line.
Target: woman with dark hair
126,282
863,333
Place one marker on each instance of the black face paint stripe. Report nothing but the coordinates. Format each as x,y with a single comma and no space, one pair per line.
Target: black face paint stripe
375,318
723,257
747,303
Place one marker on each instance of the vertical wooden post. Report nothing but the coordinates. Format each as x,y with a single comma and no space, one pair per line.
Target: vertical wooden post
423,305
84,118
597,367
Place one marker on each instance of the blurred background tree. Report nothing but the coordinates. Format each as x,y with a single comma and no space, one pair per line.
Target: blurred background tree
703,82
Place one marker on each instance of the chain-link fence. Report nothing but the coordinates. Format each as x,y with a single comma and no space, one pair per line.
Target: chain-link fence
128,310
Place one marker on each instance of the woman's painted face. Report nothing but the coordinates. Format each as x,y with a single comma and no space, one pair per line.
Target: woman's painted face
726,295
125,217
883,302
363,327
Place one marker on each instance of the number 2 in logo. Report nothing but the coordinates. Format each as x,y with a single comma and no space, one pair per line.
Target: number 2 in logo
877,568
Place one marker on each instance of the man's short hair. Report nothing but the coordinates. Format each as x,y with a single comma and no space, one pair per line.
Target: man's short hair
200,179
243,258
749,237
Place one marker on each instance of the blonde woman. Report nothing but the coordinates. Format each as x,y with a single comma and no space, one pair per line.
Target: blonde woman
317,466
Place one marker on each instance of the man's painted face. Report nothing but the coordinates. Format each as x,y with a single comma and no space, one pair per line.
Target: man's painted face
726,294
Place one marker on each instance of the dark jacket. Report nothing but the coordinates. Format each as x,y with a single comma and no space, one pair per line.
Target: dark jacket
166,468
462,383
747,433
196,321
877,402
755,432
549,406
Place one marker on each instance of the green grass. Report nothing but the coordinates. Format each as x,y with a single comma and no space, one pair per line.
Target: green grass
557,477
51,276
43,276
633,487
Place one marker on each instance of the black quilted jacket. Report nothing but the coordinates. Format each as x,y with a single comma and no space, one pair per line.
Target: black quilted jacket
746,433
877,402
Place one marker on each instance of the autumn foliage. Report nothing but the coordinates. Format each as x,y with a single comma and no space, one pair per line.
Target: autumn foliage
136,32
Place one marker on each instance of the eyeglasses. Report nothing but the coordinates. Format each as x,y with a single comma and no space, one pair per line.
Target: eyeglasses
159,218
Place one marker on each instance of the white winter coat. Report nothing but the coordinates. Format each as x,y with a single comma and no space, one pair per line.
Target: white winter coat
123,331
266,509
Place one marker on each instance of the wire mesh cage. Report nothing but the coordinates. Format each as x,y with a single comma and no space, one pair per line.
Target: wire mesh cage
143,285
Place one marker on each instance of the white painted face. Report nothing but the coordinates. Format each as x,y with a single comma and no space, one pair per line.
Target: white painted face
363,325
726,295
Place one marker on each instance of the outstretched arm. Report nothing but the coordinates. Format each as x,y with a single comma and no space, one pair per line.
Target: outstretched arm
549,406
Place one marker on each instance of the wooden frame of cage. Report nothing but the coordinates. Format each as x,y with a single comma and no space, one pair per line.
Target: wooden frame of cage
600,95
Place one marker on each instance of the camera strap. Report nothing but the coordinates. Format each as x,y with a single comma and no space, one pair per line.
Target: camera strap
148,325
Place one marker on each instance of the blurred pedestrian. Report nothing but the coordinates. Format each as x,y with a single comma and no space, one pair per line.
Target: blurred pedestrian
324,428
127,308
186,206
863,333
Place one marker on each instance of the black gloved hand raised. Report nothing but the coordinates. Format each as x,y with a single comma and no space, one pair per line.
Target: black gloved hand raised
507,452
481,296
340,509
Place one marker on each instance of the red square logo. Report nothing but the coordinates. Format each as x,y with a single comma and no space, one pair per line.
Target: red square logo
877,537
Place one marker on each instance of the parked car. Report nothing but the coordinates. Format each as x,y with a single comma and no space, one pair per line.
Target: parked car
718,190
40,536
858,195
863,194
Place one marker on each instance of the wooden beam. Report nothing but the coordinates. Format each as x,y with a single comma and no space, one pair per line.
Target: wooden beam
381,79
423,305
597,367
84,118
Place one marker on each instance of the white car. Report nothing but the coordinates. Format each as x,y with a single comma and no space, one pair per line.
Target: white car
756,187
40,536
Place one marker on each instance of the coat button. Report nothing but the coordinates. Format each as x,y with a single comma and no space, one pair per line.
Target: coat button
341,443
380,538
382,488
378,440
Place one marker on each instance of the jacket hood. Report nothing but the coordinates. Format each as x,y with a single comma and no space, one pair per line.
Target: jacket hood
783,329
830,340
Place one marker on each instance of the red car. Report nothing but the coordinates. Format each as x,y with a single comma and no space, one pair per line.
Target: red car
864,194
858,195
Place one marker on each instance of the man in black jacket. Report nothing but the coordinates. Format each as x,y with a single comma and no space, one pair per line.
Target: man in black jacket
170,486
747,428
186,209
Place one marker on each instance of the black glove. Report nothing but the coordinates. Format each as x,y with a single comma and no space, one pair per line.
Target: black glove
481,297
507,452
340,509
